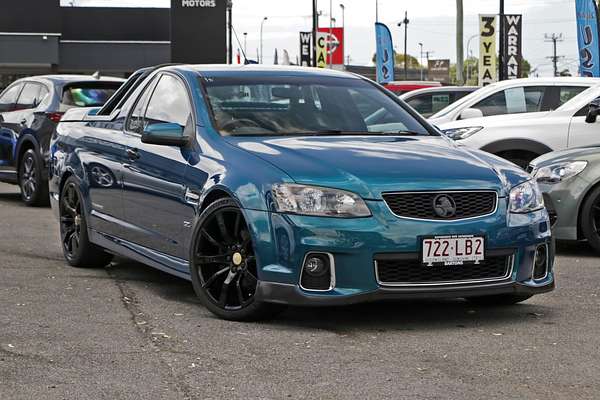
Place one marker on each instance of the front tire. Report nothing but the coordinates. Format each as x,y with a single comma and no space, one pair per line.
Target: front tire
77,248
590,219
33,185
499,299
224,267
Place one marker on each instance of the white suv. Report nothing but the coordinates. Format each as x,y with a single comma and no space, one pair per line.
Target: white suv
516,96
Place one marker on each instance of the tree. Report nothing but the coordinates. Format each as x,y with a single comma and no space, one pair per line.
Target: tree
471,71
413,62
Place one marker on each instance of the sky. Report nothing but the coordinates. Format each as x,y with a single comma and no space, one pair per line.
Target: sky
432,22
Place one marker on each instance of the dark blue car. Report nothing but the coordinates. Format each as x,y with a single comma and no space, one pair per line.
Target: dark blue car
30,108
268,187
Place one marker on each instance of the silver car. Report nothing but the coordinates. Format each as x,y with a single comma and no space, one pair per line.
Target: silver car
570,181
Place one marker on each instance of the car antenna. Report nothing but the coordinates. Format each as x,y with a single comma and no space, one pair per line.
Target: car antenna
96,75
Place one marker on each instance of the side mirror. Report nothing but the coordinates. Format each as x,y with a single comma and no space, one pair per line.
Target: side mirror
593,112
165,134
469,113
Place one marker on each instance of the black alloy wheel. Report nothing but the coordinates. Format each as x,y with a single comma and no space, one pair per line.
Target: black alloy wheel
590,219
77,248
34,188
224,266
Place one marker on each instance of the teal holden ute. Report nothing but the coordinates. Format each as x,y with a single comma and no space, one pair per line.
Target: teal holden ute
275,186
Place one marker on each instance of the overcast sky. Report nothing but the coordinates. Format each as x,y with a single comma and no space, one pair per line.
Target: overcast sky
432,22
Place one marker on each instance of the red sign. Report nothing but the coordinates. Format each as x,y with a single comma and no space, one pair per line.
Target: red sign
335,45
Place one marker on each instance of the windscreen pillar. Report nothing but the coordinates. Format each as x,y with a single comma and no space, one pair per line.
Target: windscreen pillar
199,31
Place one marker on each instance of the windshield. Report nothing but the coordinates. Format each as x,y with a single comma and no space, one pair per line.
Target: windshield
280,106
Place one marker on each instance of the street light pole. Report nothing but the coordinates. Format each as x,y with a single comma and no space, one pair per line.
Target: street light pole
262,23
245,42
421,59
330,41
230,29
343,31
315,26
405,21
501,27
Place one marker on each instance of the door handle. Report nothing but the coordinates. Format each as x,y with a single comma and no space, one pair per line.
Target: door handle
133,154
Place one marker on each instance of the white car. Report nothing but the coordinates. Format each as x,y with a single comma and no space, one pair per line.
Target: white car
518,96
428,101
522,137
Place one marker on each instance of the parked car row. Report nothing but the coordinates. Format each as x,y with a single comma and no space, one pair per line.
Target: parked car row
275,186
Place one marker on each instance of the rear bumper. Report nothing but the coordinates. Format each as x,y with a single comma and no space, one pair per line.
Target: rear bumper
293,295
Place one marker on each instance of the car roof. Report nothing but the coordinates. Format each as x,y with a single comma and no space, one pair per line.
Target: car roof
439,89
72,78
256,69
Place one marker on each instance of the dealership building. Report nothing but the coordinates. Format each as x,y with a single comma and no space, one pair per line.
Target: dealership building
41,37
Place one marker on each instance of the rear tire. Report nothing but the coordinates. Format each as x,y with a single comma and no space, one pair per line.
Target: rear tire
224,266
77,249
499,299
33,185
590,219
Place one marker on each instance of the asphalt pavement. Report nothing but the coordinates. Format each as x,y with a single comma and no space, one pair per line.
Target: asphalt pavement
130,332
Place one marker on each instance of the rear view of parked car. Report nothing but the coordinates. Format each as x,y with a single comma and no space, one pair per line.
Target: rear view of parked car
30,108
429,101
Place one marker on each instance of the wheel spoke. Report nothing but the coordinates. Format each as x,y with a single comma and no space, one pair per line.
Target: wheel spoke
250,274
218,259
68,207
213,278
236,226
238,289
223,229
211,239
225,289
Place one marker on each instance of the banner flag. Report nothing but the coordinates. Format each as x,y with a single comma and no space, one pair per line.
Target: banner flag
385,54
513,49
305,56
321,50
587,37
487,49
335,49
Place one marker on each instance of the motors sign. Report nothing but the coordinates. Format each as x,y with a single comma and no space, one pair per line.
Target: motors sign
199,3
198,31
513,53
487,49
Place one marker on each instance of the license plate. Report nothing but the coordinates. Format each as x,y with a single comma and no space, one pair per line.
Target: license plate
453,250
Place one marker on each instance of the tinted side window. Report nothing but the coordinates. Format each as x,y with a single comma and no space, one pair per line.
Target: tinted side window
513,101
583,112
422,104
568,92
43,93
9,97
135,123
169,103
29,97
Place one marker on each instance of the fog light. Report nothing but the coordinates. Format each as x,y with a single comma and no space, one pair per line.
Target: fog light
540,263
316,265
317,272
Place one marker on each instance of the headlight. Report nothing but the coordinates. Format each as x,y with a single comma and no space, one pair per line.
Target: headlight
318,201
462,133
525,198
559,172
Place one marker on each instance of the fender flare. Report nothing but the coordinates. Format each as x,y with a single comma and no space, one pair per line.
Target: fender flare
26,137
528,145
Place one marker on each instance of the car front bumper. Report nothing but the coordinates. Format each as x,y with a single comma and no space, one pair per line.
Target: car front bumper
564,200
282,242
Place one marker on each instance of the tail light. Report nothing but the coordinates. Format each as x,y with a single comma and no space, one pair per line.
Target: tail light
54,116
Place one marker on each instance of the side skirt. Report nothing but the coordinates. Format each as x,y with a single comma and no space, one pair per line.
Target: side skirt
163,262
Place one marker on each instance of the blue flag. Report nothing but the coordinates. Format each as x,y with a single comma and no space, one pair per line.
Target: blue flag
587,37
385,54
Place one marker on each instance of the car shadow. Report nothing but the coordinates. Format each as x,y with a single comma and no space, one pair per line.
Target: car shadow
380,317
575,249
9,197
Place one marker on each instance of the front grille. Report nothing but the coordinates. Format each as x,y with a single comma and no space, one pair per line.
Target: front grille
421,205
406,269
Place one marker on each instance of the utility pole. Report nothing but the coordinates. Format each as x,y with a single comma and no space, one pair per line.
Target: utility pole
405,21
245,42
459,43
315,26
329,39
376,10
421,58
554,38
343,29
262,23
230,29
501,28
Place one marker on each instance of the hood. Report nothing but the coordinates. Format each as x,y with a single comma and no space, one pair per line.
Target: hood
496,120
574,154
370,165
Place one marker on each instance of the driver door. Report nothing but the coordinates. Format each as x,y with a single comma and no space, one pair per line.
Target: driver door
583,133
8,126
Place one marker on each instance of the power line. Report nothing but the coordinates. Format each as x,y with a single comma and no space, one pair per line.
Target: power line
554,38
